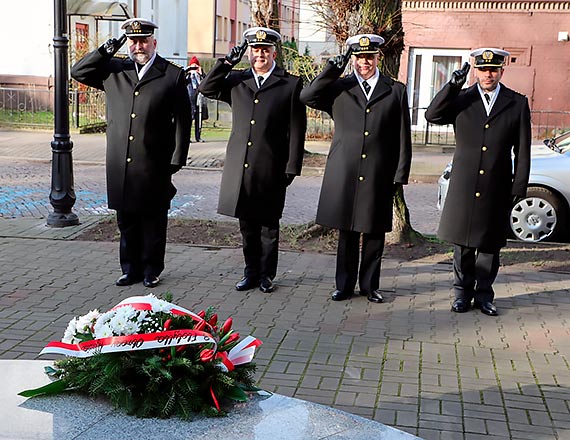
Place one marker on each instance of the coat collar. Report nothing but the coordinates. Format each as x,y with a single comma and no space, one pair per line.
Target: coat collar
504,99
274,78
383,87
156,70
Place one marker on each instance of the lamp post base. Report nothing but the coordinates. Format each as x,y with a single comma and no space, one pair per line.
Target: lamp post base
62,219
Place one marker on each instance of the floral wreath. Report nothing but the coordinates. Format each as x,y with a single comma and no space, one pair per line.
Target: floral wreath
153,359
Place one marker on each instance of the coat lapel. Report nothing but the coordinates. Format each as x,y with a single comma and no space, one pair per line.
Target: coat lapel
156,70
504,99
382,88
353,88
130,71
249,80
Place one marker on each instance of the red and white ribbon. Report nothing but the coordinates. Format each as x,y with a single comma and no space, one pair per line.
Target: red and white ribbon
143,341
142,303
242,353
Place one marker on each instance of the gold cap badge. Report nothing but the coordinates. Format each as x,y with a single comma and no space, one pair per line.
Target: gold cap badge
364,42
261,35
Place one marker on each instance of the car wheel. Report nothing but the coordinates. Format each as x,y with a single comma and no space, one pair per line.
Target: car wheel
538,216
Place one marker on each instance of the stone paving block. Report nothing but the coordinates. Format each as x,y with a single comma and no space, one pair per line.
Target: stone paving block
429,434
430,406
407,418
497,428
469,436
487,412
532,433
476,426
386,416
451,435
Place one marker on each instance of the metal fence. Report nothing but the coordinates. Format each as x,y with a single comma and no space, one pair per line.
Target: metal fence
33,107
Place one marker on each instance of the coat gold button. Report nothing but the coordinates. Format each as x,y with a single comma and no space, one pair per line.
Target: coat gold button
367,110
131,137
484,148
245,165
477,194
252,122
481,172
133,116
486,125
249,144
256,101
364,156
366,133
129,160
137,93
361,178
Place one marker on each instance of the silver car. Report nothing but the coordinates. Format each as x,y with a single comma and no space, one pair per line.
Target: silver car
545,211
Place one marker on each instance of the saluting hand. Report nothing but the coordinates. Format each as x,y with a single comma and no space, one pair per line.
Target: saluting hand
340,61
112,45
459,77
235,55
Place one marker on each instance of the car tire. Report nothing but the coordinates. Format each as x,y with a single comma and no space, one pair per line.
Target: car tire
539,216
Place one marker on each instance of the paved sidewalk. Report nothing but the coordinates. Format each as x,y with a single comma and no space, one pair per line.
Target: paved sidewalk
409,363
428,163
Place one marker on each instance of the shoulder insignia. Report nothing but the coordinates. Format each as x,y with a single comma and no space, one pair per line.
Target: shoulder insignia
175,64
121,56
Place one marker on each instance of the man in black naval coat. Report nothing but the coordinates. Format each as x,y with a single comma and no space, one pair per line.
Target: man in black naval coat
265,149
370,156
148,135
492,125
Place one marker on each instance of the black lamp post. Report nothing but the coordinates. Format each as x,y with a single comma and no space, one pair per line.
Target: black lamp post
62,195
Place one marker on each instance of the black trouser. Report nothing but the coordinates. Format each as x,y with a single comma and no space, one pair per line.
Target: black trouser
196,117
260,247
347,261
474,273
143,242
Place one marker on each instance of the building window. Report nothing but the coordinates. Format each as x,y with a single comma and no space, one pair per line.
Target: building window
428,71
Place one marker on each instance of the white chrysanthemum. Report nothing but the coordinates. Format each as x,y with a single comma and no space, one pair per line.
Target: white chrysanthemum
103,331
118,323
69,334
130,328
158,305
85,322
142,316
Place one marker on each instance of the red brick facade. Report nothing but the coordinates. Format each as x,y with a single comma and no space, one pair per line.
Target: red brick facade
540,64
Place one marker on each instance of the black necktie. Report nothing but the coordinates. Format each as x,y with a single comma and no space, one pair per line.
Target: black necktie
260,81
366,87
487,97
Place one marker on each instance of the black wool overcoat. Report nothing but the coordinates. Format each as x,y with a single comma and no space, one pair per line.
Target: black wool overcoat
266,142
483,179
370,151
148,127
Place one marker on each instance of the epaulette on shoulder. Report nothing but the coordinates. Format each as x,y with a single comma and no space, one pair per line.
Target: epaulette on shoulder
175,64
120,56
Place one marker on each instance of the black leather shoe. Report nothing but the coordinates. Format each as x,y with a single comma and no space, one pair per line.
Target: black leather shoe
151,281
375,296
266,285
461,305
127,280
247,283
200,140
339,295
487,307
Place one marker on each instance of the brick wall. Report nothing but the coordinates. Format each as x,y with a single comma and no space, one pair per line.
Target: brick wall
542,66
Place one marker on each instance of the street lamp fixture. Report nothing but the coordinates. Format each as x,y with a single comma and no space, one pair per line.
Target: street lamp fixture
62,194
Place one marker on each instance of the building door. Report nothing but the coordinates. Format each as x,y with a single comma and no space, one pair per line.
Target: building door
429,70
